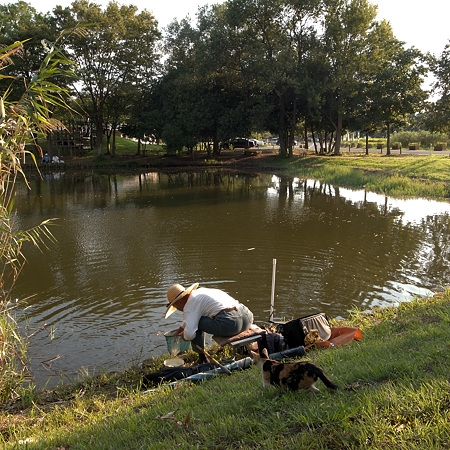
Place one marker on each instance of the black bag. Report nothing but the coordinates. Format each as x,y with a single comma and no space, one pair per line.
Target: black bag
174,373
294,331
275,342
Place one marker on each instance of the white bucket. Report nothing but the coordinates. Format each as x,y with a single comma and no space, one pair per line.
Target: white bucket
174,362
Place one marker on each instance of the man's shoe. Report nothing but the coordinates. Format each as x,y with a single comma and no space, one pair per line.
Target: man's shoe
202,359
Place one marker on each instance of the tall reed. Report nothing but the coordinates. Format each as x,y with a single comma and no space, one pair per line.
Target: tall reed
19,122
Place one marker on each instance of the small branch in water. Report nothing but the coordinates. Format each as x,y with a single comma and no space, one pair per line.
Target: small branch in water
48,363
43,327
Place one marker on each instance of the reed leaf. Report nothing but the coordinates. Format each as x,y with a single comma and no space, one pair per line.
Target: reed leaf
19,121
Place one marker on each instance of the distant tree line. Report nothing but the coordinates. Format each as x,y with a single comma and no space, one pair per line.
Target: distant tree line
287,67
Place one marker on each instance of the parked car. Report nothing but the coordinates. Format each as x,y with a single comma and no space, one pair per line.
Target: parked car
278,142
258,142
243,143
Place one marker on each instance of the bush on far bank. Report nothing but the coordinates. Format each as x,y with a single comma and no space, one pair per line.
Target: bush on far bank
425,138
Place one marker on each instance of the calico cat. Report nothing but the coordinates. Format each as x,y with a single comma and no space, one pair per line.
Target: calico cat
293,376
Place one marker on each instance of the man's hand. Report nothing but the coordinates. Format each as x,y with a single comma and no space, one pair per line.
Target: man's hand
179,332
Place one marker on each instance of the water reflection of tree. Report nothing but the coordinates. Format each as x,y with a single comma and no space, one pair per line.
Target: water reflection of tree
370,238
436,254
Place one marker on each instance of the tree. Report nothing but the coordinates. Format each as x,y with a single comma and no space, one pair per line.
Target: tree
225,106
439,116
201,96
169,105
348,42
20,22
277,41
118,51
396,89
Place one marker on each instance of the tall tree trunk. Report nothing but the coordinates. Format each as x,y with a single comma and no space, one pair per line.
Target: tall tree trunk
291,144
139,146
292,122
337,147
322,143
113,144
99,136
388,139
108,141
314,140
216,147
306,136
283,135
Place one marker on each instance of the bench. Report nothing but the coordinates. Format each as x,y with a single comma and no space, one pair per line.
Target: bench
253,334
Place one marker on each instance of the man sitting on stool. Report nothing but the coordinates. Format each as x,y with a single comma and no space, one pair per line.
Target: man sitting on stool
207,310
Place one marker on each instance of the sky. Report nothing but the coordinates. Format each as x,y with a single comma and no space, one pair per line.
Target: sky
424,25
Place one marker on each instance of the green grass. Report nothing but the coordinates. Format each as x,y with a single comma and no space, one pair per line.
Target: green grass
395,394
411,176
126,146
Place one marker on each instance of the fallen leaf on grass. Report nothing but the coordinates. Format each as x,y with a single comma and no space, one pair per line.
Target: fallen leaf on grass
170,416
166,416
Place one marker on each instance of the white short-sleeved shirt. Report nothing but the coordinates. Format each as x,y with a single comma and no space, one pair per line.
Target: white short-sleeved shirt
204,302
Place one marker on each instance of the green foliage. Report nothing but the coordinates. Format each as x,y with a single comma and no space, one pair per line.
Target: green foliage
278,66
244,66
439,110
425,138
12,352
174,138
19,121
116,58
20,22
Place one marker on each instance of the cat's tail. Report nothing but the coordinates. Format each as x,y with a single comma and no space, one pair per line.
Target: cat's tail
325,380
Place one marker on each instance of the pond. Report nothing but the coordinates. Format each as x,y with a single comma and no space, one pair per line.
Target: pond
95,299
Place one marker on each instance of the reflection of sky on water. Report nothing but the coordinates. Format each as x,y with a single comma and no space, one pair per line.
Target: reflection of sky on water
407,212
392,294
412,210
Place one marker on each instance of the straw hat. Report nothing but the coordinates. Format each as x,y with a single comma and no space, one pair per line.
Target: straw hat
175,293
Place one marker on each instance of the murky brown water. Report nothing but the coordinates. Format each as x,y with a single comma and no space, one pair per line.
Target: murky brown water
123,240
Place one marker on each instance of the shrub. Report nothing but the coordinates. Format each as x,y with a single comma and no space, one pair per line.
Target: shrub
424,138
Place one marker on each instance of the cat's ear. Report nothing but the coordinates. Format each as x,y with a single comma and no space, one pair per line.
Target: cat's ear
265,353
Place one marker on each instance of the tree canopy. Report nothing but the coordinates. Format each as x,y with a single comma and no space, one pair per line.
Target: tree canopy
287,67
439,118
117,55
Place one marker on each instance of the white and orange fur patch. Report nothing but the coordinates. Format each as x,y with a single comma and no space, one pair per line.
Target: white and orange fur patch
291,376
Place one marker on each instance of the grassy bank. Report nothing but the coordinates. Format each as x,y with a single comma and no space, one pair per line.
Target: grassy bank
395,390
409,176
395,394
